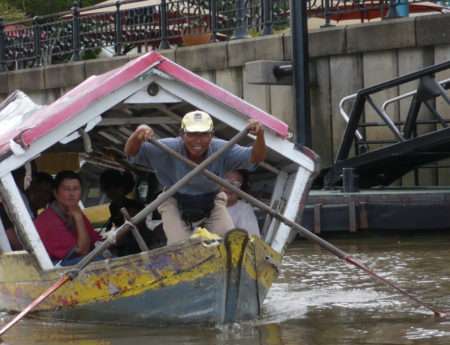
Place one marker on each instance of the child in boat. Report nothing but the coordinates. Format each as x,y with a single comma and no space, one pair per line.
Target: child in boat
117,185
65,231
200,199
241,213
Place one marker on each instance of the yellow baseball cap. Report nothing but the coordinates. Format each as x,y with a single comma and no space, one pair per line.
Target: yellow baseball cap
197,121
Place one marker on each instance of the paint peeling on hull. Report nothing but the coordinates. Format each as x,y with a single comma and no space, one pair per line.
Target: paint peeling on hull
187,282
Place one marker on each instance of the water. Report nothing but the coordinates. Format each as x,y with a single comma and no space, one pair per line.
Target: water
317,300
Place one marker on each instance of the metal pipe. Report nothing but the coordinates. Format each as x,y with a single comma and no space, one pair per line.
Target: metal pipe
301,76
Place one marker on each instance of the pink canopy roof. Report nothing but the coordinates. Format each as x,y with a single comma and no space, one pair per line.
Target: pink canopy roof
93,89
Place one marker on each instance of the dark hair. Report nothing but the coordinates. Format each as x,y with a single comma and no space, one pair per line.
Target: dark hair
112,178
42,177
245,180
65,175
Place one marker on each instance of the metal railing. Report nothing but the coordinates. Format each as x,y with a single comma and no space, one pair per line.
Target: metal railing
130,24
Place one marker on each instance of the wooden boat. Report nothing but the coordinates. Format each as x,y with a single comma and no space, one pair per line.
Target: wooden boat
197,280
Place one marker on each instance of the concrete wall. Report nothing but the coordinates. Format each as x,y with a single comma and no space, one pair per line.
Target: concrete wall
343,60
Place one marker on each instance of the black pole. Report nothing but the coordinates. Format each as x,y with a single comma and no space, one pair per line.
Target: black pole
268,17
118,24
76,30
300,60
37,41
164,43
2,45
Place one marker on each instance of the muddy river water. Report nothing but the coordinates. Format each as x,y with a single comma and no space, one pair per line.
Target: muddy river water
317,300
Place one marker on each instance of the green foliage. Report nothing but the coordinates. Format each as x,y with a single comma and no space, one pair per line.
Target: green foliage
10,13
42,7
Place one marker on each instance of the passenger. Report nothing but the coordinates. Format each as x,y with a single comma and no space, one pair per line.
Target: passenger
37,196
116,185
201,199
40,192
65,231
241,213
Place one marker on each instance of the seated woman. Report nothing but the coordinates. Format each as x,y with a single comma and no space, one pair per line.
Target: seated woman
65,231
241,213
116,185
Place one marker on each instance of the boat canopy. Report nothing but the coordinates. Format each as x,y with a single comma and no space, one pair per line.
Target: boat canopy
154,90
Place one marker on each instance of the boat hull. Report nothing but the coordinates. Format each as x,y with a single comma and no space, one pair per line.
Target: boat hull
194,281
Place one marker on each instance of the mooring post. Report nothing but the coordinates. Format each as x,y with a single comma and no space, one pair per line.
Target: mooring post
76,30
164,43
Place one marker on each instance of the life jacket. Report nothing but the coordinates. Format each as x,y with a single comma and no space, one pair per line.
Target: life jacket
195,207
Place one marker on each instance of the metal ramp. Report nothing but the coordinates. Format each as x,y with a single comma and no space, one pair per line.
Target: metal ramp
363,161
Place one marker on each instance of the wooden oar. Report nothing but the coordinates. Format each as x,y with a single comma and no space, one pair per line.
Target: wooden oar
124,228
301,230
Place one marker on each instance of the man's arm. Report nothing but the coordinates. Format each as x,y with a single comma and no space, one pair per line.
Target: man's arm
134,142
259,151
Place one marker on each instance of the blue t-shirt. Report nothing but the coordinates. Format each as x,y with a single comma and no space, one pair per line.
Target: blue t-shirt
170,169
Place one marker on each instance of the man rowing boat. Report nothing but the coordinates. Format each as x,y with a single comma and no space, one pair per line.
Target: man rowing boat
201,199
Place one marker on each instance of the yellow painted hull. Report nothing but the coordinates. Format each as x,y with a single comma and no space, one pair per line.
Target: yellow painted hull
195,281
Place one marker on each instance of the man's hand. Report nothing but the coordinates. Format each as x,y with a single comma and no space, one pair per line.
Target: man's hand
255,127
134,142
259,146
144,133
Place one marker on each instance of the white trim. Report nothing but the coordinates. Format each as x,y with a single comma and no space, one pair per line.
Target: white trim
301,179
5,247
278,190
13,199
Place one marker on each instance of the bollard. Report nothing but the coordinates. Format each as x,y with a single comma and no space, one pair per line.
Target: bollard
164,43
76,30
